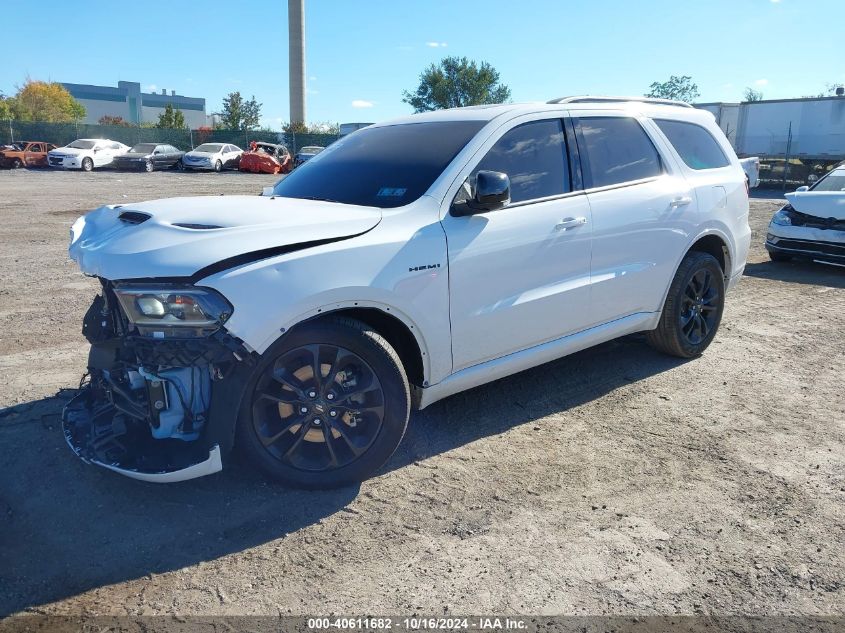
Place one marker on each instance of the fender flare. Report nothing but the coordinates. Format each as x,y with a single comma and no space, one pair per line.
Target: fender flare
729,256
337,306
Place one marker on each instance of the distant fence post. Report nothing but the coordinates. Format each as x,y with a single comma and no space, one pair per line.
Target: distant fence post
11,131
786,162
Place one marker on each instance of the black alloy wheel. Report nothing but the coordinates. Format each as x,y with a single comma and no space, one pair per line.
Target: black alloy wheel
699,307
329,405
693,308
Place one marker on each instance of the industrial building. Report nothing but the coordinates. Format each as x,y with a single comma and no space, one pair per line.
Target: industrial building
127,101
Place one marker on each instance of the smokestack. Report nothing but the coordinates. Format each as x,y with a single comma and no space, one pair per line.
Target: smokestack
164,91
172,93
296,59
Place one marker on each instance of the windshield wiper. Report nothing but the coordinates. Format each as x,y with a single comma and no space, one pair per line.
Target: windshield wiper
318,199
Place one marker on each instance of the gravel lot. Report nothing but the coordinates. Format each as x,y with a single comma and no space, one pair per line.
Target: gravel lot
613,481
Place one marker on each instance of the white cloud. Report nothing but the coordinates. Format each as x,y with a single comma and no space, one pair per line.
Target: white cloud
761,82
151,88
312,92
436,44
361,103
775,1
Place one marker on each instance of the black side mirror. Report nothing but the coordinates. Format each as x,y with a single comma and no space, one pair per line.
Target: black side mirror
492,192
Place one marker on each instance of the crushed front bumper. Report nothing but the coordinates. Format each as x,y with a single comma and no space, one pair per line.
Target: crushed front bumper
156,410
93,432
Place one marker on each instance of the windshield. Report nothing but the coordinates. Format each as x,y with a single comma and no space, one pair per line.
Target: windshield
143,148
381,167
82,144
834,181
211,148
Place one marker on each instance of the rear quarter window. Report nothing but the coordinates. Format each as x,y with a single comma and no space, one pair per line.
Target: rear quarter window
694,144
616,150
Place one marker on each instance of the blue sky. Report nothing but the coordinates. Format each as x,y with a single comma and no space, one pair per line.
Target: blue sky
362,54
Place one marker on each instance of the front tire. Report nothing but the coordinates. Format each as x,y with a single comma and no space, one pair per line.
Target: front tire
87,164
693,308
148,166
17,163
218,166
327,405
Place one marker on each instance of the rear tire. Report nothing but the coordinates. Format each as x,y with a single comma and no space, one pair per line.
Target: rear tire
779,257
327,405
693,308
87,164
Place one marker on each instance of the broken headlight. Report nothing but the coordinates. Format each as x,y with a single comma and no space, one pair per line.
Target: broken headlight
173,311
783,217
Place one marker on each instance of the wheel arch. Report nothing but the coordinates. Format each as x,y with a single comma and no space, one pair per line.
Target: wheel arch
712,241
396,327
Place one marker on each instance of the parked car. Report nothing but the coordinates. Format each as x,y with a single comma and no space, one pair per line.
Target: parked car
149,157
812,224
216,156
266,158
86,154
25,154
305,154
305,325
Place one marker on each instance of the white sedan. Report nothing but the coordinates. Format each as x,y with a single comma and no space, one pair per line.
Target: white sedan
812,225
86,154
216,156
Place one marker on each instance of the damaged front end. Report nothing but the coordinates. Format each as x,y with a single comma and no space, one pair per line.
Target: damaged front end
164,383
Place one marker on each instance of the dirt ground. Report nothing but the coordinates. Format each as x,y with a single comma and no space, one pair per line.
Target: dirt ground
615,481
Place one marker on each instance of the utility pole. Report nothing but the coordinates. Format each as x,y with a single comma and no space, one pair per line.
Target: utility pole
296,59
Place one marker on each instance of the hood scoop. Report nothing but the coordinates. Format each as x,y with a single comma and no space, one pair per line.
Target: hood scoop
133,217
197,227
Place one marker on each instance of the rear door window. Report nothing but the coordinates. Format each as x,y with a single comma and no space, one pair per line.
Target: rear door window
533,155
615,150
695,145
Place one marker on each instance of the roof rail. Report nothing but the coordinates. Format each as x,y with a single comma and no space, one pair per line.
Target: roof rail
586,99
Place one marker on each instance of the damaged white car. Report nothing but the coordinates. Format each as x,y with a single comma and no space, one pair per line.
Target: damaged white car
406,262
812,225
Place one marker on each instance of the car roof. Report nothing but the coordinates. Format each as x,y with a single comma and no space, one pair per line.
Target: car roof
658,108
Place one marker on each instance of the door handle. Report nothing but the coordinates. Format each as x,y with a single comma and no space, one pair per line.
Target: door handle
570,223
680,201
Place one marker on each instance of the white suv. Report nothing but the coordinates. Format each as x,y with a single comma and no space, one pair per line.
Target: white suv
406,262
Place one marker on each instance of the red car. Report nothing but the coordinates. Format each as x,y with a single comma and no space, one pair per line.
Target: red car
266,158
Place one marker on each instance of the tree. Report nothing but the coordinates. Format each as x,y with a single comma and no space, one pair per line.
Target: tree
457,82
171,118
752,95
5,107
297,127
240,114
46,101
676,88
108,119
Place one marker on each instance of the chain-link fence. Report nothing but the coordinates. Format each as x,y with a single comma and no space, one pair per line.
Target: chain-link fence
63,133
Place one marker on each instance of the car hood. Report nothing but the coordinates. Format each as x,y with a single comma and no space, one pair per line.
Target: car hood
70,151
147,241
822,204
135,155
202,154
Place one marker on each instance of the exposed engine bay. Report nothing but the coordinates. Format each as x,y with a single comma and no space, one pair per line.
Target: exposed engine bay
156,404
